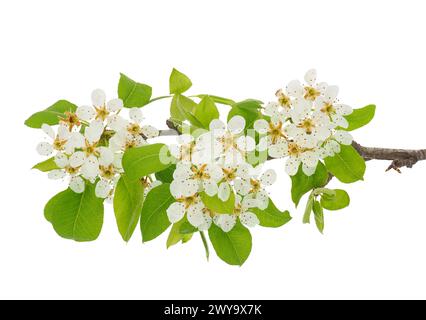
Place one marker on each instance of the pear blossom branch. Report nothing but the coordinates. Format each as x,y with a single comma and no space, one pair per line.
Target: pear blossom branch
400,157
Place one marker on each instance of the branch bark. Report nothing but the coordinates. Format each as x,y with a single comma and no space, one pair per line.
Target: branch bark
399,157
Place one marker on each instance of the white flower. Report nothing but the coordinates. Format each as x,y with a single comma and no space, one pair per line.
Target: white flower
314,124
91,157
298,151
100,110
234,144
275,130
328,105
62,141
207,175
311,91
255,188
230,174
241,211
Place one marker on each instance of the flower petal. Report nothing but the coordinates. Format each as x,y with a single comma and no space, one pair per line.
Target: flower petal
98,98
175,212
249,219
61,160
268,178
150,132
292,165
86,113
261,126
44,149
48,130
77,184
114,105
331,93
103,189
77,159
311,77
136,115
225,221
56,174
224,191
294,88
106,156
343,137
236,124
242,187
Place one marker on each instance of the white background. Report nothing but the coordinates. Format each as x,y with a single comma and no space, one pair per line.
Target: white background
373,50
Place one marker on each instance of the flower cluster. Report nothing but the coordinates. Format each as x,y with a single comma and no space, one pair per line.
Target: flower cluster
88,145
214,165
305,124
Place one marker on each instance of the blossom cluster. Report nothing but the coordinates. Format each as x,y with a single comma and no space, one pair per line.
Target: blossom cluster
214,164
305,125
88,145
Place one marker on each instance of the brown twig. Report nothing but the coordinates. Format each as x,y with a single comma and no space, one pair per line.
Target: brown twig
399,157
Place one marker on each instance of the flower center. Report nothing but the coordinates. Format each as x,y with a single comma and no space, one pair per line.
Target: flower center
134,129
283,100
91,149
188,201
200,173
186,151
229,174
328,108
101,113
71,170
59,144
238,209
276,132
308,125
107,172
294,149
228,141
255,185
311,93
71,120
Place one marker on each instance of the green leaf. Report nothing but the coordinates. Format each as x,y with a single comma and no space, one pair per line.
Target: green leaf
319,216
218,206
271,217
360,117
186,227
308,210
234,246
128,202
301,183
178,82
183,108
154,220
175,236
50,115
77,216
249,104
206,111
132,93
142,161
217,99
347,165
337,201
249,115
47,165
166,175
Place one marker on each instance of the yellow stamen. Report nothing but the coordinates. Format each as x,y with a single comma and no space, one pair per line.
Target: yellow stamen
311,93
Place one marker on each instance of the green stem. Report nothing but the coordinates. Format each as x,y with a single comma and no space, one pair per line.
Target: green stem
159,98
206,245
